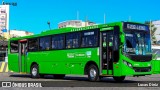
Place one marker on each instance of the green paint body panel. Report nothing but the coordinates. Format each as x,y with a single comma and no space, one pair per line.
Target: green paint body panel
156,66
129,71
13,63
109,72
57,61
73,61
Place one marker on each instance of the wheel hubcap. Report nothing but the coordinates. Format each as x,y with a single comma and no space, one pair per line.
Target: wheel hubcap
34,71
93,73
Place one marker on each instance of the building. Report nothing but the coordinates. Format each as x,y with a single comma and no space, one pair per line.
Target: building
3,49
17,33
4,42
75,23
4,18
157,33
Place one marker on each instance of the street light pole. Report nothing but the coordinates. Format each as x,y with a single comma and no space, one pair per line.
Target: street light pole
49,25
104,18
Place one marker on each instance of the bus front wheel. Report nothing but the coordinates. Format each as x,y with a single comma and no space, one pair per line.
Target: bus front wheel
93,74
35,71
119,79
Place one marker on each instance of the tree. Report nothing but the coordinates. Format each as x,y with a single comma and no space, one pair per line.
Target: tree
152,31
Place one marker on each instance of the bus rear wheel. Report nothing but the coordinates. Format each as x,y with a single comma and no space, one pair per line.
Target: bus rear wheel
93,74
59,76
35,71
119,79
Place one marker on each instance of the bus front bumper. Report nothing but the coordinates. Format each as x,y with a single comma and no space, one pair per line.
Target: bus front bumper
136,69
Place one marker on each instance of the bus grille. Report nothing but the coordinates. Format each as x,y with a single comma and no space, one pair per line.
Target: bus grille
141,58
142,69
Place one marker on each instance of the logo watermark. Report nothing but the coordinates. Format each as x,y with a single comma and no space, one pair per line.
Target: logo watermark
21,84
6,84
9,3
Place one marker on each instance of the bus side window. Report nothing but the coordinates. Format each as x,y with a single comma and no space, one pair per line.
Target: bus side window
14,46
58,41
73,40
33,44
90,38
45,43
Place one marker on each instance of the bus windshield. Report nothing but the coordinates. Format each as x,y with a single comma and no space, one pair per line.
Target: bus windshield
137,43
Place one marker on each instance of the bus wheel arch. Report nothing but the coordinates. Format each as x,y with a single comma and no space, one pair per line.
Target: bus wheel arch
34,70
87,66
91,69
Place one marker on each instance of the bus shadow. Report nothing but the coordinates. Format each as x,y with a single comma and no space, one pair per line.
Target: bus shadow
29,76
75,78
20,76
104,80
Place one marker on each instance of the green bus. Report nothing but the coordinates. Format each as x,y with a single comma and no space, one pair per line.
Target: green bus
115,50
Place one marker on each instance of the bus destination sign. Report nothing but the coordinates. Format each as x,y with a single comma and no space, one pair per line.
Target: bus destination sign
133,26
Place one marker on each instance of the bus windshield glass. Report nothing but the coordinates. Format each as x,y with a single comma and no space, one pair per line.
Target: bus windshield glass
137,43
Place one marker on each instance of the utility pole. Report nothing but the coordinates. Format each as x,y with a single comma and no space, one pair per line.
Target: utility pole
150,30
77,15
104,18
86,21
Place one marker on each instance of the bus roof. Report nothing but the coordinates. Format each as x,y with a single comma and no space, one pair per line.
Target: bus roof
69,29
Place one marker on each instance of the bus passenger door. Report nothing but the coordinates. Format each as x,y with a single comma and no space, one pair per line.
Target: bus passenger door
107,52
22,56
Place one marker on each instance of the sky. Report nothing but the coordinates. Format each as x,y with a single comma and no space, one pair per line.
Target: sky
33,15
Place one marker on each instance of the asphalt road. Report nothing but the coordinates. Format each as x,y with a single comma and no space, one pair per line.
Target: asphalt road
26,77
72,82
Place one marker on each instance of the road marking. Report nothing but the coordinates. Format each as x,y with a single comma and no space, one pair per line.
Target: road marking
6,68
2,67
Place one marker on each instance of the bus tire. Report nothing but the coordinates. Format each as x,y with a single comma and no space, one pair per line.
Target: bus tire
93,73
35,71
59,76
119,79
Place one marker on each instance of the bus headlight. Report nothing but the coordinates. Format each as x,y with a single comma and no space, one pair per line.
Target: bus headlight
127,63
130,65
